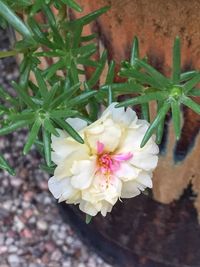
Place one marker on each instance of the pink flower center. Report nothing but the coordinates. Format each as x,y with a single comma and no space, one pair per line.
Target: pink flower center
109,163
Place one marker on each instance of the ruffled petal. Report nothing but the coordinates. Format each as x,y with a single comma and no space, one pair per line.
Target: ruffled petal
107,132
60,188
83,172
88,208
77,123
127,172
121,116
147,162
130,189
145,178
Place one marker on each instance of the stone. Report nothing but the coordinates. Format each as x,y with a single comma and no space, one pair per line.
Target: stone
42,225
13,258
56,255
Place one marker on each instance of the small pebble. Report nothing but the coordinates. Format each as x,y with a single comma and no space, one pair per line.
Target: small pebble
42,225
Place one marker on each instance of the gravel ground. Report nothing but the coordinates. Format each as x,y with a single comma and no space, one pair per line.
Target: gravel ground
32,233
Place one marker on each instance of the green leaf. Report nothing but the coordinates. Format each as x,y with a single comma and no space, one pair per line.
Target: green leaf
73,73
143,99
85,50
24,96
91,17
47,169
81,98
145,111
190,104
50,96
111,73
88,218
134,51
13,127
140,77
87,62
97,73
50,127
68,128
176,117
72,4
64,96
41,82
36,7
32,136
124,88
6,97
15,21
161,79
22,116
191,83
160,116
5,166
63,113
88,38
194,92
188,75
47,146
176,71
50,71
24,76
39,35
10,53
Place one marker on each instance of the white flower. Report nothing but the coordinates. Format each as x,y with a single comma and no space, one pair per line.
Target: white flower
108,166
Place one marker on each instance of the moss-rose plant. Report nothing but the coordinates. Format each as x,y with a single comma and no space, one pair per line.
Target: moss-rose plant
96,156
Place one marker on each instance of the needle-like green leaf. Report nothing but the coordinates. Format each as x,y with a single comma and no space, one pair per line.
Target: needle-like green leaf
176,71
142,99
96,75
161,79
48,125
191,83
134,51
145,111
91,17
47,146
41,83
88,218
72,4
15,21
176,117
24,96
111,73
13,127
81,98
159,117
68,128
32,136
5,166
191,104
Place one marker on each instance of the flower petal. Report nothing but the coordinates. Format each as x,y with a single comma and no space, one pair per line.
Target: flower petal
147,162
64,167
83,172
145,178
61,187
63,147
88,208
107,132
77,123
130,189
127,172
119,115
